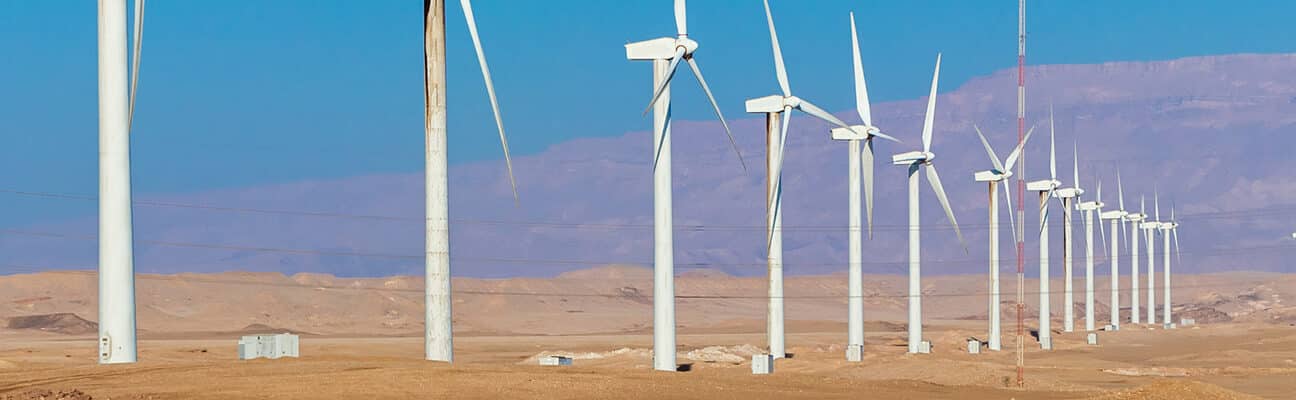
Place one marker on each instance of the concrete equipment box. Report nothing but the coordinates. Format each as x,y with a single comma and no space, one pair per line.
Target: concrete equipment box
974,346
269,346
556,361
855,353
925,347
1092,338
762,364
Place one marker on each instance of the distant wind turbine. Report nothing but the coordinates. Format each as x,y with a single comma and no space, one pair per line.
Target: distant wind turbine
1152,227
779,107
1134,220
1069,197
117,328
854,135
438,336
1117,218
1090,208
1046,188
1168,229
666,54
999,172
916,160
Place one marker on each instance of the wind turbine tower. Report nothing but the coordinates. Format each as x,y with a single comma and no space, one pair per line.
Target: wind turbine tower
916,160
854,136
117,343
1069,197
1090,208
999,172
1134,220
778,113
1168,229
666,54
1046,189
1151,228
1117,218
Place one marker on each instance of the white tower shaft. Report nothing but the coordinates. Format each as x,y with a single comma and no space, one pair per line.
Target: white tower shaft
1089,272
915,265
1115,273
1165,284
1134,274
994,334
854,274
774,316
663,227
1068,267
116,253
438,336
1045,330
1151,277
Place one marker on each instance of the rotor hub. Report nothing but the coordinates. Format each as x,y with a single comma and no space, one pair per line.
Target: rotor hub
689,45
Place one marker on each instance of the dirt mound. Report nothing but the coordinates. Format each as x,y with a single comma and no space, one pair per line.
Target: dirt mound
1202,314
65,323
1175,390
40,394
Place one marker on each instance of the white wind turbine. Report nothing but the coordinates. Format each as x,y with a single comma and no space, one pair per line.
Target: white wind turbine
1168,229
1046,188
999,172
854,135
666,54
438,335
779,108
1117,218
116,243
916,160
1090,208
1069,197
1151,228
1134,220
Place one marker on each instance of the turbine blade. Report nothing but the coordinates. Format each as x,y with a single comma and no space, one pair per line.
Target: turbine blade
1174,232
681,18
866,161
702,81
934,179
931,108
994,159
779,69
886,136
1120,191
135,62
1052,147
1011,219
809,108
861,89
670,74
1103,231
1156,202
490,91
1075,166
776,199
1044,209
1016,153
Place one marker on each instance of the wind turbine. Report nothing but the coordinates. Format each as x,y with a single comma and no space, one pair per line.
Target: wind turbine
1168,228
778,108
117,342
1046,189
438,336
666,54
1069,197
999,172
1090,208
1152,227
854,135
916,160
1134,220
1117,218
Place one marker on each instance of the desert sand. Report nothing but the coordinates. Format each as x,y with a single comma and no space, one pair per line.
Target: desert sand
361,338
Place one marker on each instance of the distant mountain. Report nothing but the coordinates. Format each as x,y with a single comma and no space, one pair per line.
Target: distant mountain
1213,134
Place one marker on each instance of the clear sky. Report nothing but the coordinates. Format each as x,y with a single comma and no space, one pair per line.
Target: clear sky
244,92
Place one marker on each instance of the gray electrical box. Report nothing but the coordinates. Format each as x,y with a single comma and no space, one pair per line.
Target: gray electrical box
268,346
762,364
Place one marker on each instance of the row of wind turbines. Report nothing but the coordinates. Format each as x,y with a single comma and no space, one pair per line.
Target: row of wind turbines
666,53
117,343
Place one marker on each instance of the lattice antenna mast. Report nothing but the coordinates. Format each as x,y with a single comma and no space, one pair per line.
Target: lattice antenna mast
1021,193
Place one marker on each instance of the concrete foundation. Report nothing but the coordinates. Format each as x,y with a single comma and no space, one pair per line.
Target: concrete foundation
268,346
556,361
855,353
762,364
974,346
1110,328
1187,322
1092,339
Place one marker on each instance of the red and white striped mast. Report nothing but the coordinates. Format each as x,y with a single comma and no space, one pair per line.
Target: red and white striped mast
1021,192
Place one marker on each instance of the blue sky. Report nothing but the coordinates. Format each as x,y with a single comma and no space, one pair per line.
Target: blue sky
245,92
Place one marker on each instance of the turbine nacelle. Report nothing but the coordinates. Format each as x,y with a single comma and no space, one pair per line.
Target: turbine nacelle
660,48
1068,193
912,157
1113,214
992,176
855,132
1135,217
1044,185
1090,206
1150,225
772,103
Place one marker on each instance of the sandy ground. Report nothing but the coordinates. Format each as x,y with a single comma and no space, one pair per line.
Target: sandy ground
1206,362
